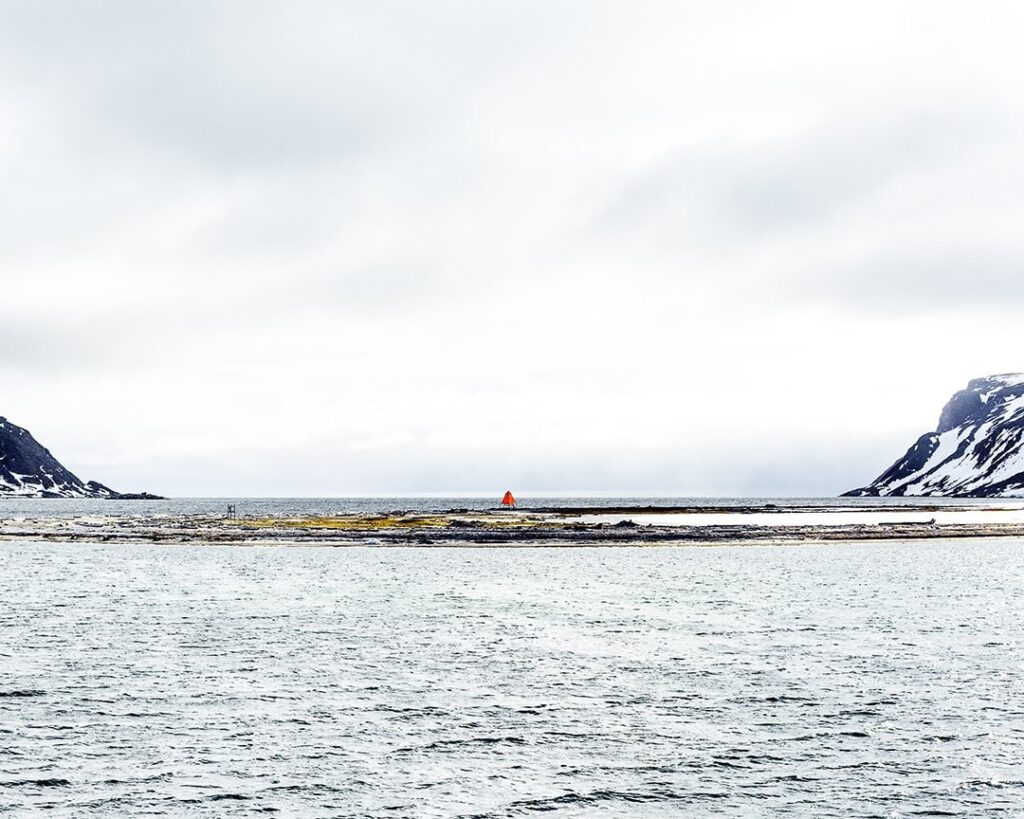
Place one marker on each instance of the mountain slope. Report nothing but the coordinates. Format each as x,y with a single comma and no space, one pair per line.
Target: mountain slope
28,469
977,450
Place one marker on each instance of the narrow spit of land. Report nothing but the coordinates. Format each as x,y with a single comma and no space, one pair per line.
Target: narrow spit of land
565,526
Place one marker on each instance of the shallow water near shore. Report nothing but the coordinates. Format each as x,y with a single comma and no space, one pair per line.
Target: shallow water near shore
850,680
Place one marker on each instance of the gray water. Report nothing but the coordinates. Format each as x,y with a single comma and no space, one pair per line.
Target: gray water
847,680
13,506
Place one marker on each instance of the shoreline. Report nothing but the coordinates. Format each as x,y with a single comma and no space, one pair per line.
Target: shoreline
563,527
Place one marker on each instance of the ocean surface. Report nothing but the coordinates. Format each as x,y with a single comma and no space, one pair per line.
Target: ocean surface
849,680
69,507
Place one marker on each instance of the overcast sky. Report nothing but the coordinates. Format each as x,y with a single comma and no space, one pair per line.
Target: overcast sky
319,248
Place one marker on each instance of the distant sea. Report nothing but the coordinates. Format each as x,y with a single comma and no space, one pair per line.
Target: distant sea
67,507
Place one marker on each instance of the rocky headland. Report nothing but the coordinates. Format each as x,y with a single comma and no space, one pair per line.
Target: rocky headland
976,450
28,469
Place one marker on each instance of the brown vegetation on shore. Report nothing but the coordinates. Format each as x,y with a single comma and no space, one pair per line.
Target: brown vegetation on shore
462,529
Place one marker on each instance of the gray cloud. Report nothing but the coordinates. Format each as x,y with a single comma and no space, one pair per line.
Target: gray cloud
930,282
428,245
254,85
719,195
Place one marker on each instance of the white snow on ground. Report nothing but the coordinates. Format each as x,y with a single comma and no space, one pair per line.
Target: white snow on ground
815,518
30,486
948,443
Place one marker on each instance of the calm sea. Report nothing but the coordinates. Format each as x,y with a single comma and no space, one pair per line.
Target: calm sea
60,507
847,680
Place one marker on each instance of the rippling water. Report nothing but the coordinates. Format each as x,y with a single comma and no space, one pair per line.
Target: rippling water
850,680
13,506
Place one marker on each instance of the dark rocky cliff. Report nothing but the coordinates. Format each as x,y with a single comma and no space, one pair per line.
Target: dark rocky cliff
28,469
977,449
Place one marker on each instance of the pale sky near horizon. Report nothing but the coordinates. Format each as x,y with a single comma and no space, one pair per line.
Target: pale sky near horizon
320,248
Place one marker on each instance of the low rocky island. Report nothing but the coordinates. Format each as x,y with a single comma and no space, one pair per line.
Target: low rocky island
569,526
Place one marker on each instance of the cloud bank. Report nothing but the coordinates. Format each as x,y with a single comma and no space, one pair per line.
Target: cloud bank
320,248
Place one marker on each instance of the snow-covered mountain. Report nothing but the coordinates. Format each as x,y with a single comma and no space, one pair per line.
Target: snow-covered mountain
976,451
28,469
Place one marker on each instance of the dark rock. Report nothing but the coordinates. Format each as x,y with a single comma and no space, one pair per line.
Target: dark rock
973,450
28,469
